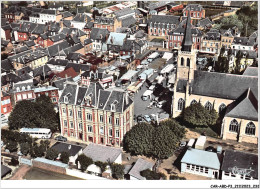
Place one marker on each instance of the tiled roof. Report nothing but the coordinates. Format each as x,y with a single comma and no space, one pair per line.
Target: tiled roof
70,72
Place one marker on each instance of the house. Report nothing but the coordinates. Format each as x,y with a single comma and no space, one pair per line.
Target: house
57,65
103,117
115,42
23,90
133,172
211,42
99,37
124,13
88,45
243,43
47,16
67,15
7,80
160,25
227,38
247,59
205,24
6,32
105,23
238,165
22,32
44,40
49,91
197,12
69,72
73,150
80,20
201,162
233,96
6,106
104,154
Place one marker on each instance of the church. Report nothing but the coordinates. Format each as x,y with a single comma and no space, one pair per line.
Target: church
236,96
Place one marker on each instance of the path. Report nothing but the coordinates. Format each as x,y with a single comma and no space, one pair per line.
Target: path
20,172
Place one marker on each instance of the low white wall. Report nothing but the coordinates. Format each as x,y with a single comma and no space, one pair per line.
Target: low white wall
79,174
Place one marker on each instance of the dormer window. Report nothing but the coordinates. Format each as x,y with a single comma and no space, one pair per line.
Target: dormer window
66,100
18,89
113,107
28,87
23,88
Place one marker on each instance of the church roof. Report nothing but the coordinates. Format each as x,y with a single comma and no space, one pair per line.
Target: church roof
221,85
251,71
244,107
187,40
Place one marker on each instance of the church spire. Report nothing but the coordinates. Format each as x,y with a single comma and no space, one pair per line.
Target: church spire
187,40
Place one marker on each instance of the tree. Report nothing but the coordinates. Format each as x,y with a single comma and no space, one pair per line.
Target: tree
237,67
25,148
39,114
38,151
101,165
151,175
198,115
222,65
229,22
65,157
45,144
158,142
117,170
84,162
11,146
51,154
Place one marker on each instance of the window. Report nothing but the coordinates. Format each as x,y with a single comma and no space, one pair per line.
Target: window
89,116
71,124
65,123
90,129
80,126
110,132
117,133
70,113
226,173
221,108
101,130
208,106
197,168
170,44
24,96
5,110
198,14
79,114
233,127
101,118
179,38
194,39
201,169
181,103
54,100
29,95
65,99
206,170
193,102
182,61
110,119
250,128
188,62
117,121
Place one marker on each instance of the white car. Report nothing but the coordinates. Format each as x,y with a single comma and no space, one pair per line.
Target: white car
160,104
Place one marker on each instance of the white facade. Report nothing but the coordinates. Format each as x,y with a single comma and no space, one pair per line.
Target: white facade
78,25
46,18
230,176
241,47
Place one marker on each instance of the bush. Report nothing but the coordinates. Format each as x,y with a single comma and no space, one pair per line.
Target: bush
117,171
151,175
65,157
51,154
25,148
175,177
14,162
84,162
101,165
38,151
11,146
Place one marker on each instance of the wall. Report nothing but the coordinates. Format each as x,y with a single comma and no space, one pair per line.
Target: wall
79,174
49,167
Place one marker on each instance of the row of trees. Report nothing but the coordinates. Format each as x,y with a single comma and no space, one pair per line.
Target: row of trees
38,114
85,162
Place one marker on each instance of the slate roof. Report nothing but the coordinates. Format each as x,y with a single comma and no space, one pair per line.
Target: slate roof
8,78
89,25
213,34
78,67
244,41
194,7
87,41
60,82
155,19
128,45
124,12
20,49
29,43
99,34
81,17
65,147
104,20
6,27
59,62
58,37
221,85
23,70
246,101
201,158
67,23
254,35
5,170
66,14
251,71
241,160
73,56
48,11
6,66
4,42
102,153
139,166
156,5
27,27
181,30
206,22
73,48
40,71
40,29
54,49
128,21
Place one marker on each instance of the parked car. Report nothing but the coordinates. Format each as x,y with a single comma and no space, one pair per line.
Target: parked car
139,119
61,138
210,149
153,117
160,104
147,118
183,143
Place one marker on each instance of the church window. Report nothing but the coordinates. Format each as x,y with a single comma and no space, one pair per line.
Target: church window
250,128
221,108
188,62
208,106
181,103
193,102
233,127
182,61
